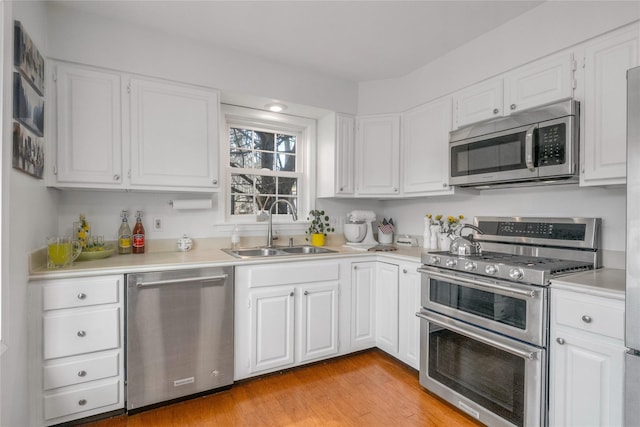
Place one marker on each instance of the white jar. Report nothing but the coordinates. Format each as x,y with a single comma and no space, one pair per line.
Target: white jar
184,244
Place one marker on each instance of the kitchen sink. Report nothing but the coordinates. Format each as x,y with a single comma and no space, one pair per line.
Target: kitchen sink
278,251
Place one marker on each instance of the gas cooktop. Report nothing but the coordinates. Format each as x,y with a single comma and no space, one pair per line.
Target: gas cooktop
527,250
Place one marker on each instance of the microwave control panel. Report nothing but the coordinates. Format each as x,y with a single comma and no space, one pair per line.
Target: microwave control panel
551,145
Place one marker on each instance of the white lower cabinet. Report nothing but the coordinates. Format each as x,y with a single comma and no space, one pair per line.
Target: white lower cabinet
363,305
286,315
408,306
76,347
385,298
586,378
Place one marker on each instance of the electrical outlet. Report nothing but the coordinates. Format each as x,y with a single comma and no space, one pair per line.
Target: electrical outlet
157,223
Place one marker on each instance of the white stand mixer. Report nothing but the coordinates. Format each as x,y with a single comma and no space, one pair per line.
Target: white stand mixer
358,230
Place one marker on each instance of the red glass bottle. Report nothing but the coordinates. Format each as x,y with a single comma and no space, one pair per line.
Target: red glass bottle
138,235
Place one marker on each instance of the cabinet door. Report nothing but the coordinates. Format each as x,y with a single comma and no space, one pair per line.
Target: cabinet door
89,132
318,311
363,298
586,381
539,83
479,102
607,60
387,307
378,155
345,150
425,149
174,136
272,328
408,323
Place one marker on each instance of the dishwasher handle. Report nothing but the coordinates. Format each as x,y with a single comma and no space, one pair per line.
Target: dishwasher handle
203,280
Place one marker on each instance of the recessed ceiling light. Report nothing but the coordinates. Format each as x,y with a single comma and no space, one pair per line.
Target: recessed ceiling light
276,108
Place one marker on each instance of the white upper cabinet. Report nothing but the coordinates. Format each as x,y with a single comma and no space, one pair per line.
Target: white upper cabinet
544,81
114,130
541,82
425,149
89,131
174,133
482,101
604,106
336,155
378,155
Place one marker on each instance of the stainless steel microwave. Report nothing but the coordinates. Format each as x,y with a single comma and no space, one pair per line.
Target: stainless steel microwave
536,145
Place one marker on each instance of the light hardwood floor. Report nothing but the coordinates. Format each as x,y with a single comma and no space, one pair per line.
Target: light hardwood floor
364,389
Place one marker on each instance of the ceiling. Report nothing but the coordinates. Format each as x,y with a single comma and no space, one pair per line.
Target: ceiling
352,40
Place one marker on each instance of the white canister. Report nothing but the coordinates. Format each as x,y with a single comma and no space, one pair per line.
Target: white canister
426,242
184,244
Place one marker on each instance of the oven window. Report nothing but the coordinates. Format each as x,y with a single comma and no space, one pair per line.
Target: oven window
503,309
490,377
503,153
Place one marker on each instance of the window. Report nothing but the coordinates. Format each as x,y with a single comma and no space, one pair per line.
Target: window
268,161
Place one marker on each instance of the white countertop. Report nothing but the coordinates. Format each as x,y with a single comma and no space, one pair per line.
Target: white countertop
196,258
608,282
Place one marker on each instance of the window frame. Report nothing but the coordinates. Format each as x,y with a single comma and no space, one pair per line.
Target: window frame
305,131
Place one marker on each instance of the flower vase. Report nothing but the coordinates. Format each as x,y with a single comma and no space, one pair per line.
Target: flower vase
317,239
435,231
426,243
445,242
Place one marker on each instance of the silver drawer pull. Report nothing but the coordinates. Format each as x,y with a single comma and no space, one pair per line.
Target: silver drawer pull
82,373
82,402
81,334
82,295
586,319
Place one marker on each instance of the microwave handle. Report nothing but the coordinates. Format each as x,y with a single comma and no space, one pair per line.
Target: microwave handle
528,147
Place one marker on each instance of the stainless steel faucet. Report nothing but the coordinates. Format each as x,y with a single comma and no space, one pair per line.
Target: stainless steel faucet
270,226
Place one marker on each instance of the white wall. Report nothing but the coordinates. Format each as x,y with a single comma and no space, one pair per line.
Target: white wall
546,201
552,26
29,215
91,39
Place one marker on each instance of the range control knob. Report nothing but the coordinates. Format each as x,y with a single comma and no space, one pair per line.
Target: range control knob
451,263
470,266
434,260
491,269
516,273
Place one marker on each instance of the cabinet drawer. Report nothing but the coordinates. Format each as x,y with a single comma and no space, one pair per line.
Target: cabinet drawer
81,332
596,315
80,292
83,399
81,371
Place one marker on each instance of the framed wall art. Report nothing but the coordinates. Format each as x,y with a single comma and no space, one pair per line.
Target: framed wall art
27,59
28,105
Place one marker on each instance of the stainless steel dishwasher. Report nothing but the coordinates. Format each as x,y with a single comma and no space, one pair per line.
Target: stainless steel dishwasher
179,334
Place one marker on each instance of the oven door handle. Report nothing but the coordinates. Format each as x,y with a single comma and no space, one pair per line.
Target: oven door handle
480,285
528,147
529,355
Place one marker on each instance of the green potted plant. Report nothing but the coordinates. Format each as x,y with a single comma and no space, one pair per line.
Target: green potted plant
318,228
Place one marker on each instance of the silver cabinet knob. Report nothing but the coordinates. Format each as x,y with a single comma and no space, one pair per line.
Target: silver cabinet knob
586,319
445,185
82,296
306,293
512,106
395,190
82,402
291,294
116,177
355,267
404,270
82,373
496,111
214,181
341,188
560,341
82,334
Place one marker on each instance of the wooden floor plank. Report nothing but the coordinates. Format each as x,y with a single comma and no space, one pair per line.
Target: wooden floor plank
364,389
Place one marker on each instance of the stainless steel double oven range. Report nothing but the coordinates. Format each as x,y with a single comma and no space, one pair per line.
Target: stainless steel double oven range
485,318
